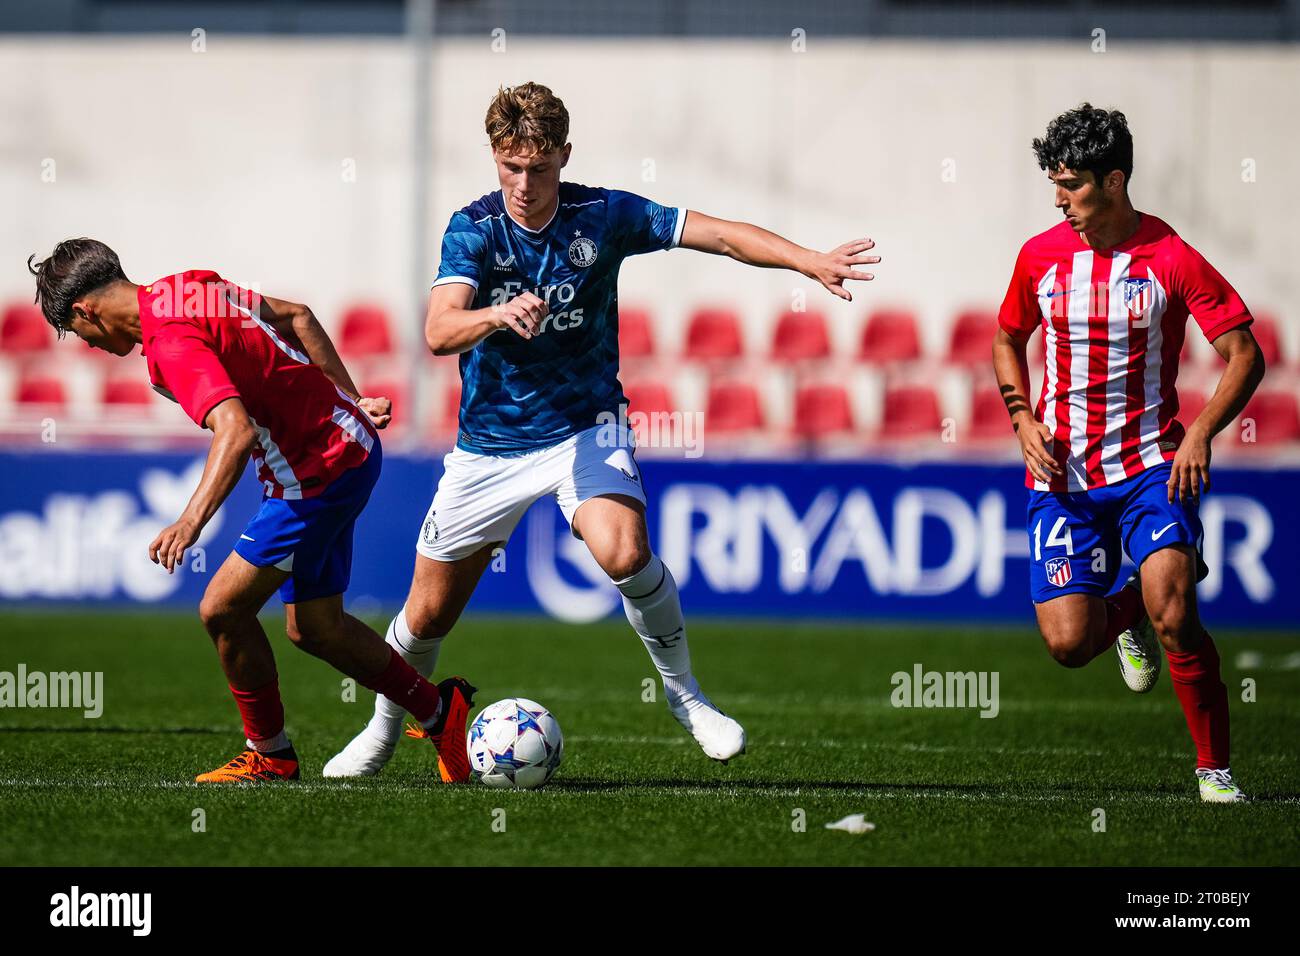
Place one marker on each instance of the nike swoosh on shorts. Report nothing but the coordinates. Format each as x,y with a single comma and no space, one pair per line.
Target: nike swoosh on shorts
1155,535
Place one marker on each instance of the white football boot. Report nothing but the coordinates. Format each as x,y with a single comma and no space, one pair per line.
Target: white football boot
1138,650
364,756
718,735
1217,786
1139,656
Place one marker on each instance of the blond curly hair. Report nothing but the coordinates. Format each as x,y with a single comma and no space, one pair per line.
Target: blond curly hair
527,118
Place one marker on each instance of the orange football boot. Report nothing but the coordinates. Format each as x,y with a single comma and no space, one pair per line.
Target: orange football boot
448,734
253,767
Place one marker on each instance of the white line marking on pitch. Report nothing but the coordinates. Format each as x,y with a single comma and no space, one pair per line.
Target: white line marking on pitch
867,791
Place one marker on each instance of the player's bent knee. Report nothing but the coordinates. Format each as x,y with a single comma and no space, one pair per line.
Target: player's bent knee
625,561
1069,648
1176,626
219,616
307,638
428,624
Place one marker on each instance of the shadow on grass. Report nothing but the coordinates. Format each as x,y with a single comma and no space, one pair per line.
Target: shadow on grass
581,785
990,791
110,729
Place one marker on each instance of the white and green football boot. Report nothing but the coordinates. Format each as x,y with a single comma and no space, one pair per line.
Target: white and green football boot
1217,786
1138,650
1139,656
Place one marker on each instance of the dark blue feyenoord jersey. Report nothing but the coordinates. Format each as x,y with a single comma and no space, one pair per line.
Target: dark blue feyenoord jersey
522,394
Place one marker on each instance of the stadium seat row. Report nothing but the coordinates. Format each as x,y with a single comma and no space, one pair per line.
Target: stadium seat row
713,334
733,408
825,410
779,396
761,404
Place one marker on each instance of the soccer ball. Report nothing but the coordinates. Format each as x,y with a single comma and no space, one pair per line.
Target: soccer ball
515,743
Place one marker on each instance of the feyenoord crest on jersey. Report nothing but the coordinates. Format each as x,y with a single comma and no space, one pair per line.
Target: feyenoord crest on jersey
582,252
1058,571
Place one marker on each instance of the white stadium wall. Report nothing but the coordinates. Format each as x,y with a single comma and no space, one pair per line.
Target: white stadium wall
237,157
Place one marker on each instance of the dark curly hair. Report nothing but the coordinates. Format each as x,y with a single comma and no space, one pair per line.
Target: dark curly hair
1088,138
74,269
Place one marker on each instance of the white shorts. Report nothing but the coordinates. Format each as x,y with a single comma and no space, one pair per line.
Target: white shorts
481,498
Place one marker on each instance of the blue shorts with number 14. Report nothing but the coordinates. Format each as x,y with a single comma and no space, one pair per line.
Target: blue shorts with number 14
1075,537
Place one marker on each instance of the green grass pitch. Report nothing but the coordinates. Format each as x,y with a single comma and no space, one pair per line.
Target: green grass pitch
943,786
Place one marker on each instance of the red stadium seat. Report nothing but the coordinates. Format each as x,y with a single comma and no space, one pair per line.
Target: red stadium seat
648,397
733,407
1265,328
365,330
889,335
799,336
911,411
971,342
821,411
127,392
635,335
446,413
649,408
989,419
713,334
23,331
40,389
1190,404
1276,415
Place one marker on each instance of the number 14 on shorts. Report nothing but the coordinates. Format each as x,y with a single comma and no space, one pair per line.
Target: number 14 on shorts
1058,536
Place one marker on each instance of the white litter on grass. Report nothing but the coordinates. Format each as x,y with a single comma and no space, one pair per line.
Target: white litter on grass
853,823
1249,660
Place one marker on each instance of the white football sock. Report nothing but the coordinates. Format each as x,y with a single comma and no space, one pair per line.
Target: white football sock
421,655
270,745
655,612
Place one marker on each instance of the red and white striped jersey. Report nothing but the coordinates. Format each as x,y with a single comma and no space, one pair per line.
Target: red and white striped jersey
205,342
1113,325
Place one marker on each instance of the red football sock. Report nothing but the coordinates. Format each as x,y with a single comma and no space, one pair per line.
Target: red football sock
261,709
1205,701
1123,609
401,684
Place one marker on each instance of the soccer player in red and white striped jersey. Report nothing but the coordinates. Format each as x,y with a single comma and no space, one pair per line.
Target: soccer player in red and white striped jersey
1109,465
263,376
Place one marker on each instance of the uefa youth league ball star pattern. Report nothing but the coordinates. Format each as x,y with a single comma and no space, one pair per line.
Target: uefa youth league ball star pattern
515,743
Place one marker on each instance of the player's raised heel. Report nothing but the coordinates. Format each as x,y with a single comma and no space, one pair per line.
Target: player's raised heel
253,767
448,734
364,756
1139,656
718,735
1217,786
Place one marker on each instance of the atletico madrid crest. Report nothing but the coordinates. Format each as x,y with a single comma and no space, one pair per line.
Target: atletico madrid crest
1058,571
1138,296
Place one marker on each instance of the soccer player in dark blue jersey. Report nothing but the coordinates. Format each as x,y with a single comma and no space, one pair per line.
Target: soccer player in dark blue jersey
527,296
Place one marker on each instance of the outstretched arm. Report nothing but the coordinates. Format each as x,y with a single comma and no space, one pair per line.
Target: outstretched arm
756,246
232,442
